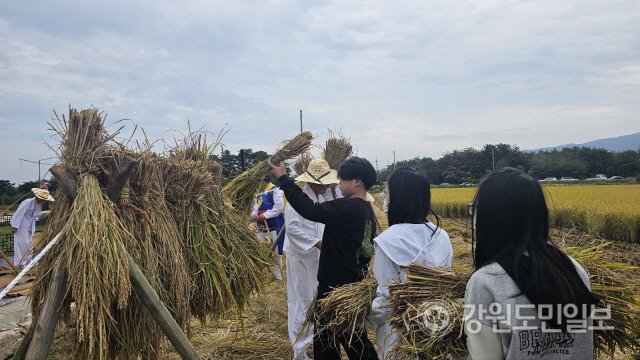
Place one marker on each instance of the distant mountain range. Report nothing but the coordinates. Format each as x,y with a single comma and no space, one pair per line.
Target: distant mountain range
620,143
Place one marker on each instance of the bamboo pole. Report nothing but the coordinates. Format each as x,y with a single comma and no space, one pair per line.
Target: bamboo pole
159,312
46,326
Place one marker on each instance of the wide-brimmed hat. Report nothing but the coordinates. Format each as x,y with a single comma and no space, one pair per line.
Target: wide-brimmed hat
43,194
319,172
370,198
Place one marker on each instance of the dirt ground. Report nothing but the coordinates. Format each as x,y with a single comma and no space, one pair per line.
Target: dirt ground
265,320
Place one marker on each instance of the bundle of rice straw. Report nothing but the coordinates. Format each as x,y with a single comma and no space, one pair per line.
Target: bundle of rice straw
427,290
344,310
197,254
301,164
242,189
336,150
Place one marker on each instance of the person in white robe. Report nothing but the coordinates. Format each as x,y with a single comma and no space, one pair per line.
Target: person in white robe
23,226
303,240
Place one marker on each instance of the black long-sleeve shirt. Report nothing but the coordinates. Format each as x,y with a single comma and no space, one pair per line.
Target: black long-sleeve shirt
347,242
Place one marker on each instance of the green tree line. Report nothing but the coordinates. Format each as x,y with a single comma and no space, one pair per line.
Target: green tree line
454,167
471,165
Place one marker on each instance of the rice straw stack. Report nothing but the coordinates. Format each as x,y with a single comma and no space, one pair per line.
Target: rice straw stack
242,189
197,254
336,150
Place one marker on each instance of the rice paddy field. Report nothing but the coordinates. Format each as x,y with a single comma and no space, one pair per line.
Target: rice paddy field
609,211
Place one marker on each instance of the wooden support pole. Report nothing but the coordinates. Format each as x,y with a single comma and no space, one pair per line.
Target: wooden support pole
46,326
117,182
66,180
9,262
274,245
21,352
160,314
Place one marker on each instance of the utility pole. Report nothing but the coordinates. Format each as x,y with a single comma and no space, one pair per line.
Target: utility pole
377,171
300,120
394,161
39,162
493,158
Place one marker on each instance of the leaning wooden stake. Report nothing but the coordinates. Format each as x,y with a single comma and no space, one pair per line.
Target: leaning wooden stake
21,352
274,244
159,312
46,326
9,262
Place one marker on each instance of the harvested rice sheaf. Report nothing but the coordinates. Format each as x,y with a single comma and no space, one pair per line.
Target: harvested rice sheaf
336,150
242,189
344,310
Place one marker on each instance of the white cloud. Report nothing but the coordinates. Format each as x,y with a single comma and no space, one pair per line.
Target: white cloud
420,78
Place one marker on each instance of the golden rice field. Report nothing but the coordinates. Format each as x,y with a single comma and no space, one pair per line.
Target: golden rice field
610,211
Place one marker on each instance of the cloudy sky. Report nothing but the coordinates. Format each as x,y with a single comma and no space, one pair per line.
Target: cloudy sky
416,77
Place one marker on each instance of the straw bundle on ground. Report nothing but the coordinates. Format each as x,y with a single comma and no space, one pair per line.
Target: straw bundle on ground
336,150
610,282
242,189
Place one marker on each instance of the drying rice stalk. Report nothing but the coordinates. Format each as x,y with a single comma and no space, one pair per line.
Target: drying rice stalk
337,149
242,189
301,164
98,268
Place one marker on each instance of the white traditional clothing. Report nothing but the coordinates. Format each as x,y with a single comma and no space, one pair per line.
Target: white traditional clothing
302,269
398,246
24,219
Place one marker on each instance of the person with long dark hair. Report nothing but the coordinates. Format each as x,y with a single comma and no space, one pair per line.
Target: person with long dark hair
526,298
409,238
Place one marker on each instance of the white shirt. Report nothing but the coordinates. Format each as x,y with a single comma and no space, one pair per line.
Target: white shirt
26,216
302,234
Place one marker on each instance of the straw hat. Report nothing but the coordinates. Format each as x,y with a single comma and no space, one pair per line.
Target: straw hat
318,172
370,198
43,194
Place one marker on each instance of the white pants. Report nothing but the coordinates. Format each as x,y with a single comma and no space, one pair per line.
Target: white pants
262,236
22,247
302,282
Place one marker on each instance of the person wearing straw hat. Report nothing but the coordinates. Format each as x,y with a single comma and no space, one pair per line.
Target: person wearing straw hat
302,246
268,211
23,225
346,247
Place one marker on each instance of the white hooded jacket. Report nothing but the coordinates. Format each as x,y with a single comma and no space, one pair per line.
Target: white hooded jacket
398,246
